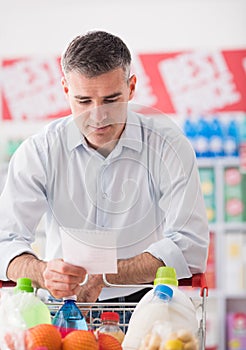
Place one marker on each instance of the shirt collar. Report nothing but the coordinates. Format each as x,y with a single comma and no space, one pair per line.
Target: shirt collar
132,135
74,136
130,138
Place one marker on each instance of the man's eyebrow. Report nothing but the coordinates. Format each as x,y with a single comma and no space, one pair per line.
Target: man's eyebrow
80,97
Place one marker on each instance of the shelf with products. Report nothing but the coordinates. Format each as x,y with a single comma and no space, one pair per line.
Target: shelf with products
12,134
223,185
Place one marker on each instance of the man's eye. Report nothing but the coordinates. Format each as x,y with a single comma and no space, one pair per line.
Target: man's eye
84,102
110,101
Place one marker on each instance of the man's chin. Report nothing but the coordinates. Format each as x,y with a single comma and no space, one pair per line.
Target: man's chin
101,143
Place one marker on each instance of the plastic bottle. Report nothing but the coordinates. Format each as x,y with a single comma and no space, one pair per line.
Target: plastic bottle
144,318
232,139
202,139
69,317
179,312
190,132
216,138
32,309
110,325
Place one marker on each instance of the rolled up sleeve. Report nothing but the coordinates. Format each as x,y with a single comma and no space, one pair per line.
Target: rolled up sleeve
184,245
22,204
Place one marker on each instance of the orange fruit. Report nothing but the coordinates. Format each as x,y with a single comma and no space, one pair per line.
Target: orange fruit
43,335
80,340
108,342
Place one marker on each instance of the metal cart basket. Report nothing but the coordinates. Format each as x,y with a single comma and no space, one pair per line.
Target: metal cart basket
197,281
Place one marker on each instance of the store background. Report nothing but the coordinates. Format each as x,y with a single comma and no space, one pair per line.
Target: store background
31,31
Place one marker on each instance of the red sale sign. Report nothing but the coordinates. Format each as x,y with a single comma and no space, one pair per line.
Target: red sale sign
196,82
187,83
31,89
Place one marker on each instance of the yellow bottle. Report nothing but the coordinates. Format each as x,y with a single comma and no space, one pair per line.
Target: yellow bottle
110,325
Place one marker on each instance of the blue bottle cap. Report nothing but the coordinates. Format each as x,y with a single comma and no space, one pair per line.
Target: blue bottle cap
163,292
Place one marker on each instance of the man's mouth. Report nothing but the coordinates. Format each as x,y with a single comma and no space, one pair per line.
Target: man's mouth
99,127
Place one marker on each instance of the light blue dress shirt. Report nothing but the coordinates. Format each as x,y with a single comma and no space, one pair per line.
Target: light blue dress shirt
146,190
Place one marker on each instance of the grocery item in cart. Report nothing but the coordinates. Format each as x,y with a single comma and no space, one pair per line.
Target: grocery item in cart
164,336
179,312
110,325
31,308
69,317
43,337
88,340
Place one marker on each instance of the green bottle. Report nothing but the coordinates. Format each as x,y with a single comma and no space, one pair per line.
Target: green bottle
32,309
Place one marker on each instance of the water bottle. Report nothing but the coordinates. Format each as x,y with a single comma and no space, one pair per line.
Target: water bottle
190,132
69,317
232,139
203,138
32,309
110,325
216,138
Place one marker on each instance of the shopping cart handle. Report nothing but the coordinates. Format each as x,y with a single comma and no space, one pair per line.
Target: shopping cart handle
196,281
5,284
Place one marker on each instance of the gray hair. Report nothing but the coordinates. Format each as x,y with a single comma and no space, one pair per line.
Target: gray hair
95,53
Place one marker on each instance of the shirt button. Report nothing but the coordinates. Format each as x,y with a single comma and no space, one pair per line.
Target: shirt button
104,195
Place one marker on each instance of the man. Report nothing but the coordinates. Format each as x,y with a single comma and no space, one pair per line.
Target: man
103,168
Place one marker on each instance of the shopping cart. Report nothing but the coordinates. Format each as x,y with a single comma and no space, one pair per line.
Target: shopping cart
197,281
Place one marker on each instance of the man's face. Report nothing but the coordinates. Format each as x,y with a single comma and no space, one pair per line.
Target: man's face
99,105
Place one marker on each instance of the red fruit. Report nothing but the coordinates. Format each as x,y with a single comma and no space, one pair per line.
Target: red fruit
108,342
43,335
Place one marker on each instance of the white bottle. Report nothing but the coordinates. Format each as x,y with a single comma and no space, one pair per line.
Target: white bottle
179,312
144,318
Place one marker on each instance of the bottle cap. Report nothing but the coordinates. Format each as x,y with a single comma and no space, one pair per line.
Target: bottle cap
71,297
24,284
110,316
163,292
166,275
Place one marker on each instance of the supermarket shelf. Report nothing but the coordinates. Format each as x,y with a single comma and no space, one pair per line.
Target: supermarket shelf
218,161
235,226
239,295
227,226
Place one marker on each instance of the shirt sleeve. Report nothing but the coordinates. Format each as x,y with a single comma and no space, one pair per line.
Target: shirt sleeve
22,203
184,245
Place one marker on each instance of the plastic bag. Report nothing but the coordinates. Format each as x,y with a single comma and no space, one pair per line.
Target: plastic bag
164,336
12,326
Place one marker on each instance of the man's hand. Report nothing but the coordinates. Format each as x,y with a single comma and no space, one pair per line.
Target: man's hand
89,293
63,279
60,278
29,266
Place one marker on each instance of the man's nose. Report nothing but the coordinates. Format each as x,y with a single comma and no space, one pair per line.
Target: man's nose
98,114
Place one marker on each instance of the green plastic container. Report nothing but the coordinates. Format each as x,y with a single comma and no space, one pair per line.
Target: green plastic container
32,309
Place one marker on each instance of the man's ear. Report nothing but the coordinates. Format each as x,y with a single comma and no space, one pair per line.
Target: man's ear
132,86
64,85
